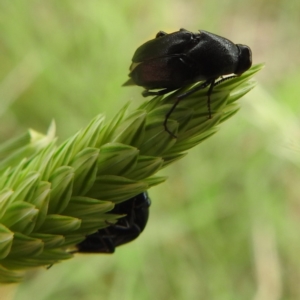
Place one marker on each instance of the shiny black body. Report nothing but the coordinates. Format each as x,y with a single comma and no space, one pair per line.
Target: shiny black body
183,57
171,61
124,231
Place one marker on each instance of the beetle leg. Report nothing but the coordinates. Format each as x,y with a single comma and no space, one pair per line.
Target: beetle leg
126,224
224,79
208,97
184,95
99,242
195,89
146,93
104,243
168,116
210,82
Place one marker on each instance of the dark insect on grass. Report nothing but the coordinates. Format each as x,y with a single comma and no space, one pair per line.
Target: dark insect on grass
124,231
172,61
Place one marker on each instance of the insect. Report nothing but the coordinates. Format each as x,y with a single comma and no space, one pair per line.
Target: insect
124,231
171,61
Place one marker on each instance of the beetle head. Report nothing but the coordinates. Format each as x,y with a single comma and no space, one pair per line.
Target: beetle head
245,59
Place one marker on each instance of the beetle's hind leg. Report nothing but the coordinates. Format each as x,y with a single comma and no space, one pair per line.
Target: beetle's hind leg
210,83
186,94
168,116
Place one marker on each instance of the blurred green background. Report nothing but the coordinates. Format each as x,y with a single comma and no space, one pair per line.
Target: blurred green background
226,225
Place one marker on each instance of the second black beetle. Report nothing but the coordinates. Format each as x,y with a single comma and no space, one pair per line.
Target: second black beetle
124,231
171,61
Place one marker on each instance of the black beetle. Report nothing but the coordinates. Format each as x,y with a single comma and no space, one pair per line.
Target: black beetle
124,231
171,61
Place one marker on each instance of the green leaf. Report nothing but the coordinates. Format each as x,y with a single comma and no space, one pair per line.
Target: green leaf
50,241
9,179
91,225
194,140
155,180
241,91
108,131
197,130
73,239
133,129
41,200
62,185
88,137
47,258
116,159
116,188
20,217
172,158
24,245
26,145
91,212
232,110
42,161
5,199
64,153
84,207
25,186
144,167
6,239
85,164
158,140
57,224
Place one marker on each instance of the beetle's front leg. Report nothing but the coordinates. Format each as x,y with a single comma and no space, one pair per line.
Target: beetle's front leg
224,79
147,93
